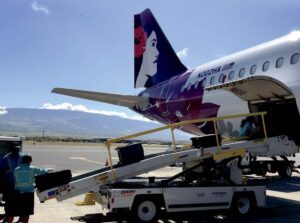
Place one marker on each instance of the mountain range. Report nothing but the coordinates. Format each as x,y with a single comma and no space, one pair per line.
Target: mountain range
64,123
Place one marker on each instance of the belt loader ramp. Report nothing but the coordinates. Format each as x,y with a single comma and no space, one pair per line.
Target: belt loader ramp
95,181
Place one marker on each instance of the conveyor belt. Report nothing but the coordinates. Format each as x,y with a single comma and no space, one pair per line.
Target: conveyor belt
92,173
104,169
92,181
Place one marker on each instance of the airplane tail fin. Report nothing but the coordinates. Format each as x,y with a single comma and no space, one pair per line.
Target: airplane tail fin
154,58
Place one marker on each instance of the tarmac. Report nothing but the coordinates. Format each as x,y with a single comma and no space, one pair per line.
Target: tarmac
285,192
283,195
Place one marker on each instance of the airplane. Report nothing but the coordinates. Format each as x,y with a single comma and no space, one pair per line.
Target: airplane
265,77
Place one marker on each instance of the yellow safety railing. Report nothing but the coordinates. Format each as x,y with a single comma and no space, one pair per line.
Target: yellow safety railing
173,126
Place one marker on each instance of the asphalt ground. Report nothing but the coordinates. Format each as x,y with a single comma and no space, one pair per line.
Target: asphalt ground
283,195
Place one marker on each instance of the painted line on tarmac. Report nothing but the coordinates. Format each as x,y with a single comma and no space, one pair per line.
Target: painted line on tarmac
91,161
283,195
85,159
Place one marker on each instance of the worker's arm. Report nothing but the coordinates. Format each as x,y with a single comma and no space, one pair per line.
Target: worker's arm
4,165
39,171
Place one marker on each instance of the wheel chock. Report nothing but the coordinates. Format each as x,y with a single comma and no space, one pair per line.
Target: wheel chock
88,200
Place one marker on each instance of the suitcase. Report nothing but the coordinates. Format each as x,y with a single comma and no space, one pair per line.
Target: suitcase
205,141
53,179
130,154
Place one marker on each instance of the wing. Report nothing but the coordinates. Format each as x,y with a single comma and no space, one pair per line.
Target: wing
115,99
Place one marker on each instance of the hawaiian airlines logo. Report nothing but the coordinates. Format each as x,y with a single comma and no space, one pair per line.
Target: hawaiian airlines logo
196,77
146,56
139,41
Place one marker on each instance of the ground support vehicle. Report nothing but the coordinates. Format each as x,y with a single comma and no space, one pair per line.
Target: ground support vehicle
263,165
214,189
212,171
109,175
265,155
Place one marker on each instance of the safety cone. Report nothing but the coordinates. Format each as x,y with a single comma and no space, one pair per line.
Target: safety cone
106,162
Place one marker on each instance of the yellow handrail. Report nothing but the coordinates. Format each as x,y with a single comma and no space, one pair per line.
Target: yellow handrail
184,123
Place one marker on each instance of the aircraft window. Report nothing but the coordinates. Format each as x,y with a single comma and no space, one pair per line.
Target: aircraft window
222,78
266,66
212,80
231,75
279,62
253,69
242,72
295,58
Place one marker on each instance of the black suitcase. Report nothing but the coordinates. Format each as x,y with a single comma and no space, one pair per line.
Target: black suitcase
205,141
130,154
53,179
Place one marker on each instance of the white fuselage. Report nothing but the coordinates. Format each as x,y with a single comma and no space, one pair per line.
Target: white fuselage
288,74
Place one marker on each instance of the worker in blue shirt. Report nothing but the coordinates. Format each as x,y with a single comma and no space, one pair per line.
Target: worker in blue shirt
7,166
247,127
23,202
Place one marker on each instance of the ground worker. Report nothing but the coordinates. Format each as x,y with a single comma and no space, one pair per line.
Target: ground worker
247,127
23,200
7,166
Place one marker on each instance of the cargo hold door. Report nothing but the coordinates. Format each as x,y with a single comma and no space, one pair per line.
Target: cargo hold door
268,94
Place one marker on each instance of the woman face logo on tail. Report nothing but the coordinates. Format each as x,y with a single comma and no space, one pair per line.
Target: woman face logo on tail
150,56
145,51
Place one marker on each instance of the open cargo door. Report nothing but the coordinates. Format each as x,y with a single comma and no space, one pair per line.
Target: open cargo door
256,89
268,94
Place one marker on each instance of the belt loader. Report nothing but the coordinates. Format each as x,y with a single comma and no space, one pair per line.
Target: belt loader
212,178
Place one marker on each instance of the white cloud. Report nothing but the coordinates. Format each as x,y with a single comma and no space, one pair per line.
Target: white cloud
37,7
183,53
3,111
82,108
219,55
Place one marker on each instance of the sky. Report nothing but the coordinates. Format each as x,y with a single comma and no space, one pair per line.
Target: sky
88,44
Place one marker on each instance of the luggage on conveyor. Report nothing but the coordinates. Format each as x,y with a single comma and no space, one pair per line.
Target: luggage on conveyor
130,154
205,141
53,179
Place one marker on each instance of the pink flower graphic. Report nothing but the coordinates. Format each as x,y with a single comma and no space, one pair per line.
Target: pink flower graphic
140,38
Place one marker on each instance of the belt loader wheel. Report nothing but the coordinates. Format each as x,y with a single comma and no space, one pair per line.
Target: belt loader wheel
286,171
242,204
145,210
